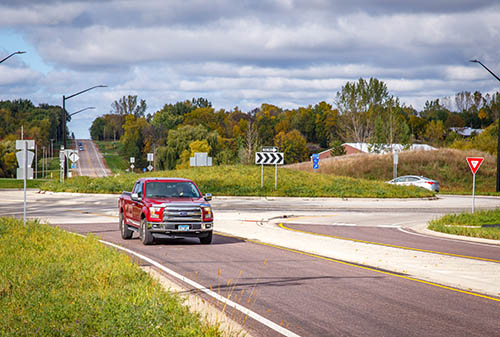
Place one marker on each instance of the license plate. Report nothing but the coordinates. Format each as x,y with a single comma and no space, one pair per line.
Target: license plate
183,227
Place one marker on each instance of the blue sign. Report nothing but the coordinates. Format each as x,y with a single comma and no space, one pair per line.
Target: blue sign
315,159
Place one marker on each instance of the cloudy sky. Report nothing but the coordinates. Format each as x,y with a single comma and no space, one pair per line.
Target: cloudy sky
242,53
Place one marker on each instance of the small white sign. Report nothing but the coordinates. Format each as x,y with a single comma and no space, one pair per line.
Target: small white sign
150,168
132,166
132,160
73,157
20,160
20,173
30,144
150,157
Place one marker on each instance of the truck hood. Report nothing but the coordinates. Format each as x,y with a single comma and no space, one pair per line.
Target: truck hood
164,202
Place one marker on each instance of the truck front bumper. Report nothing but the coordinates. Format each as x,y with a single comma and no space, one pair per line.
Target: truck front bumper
180,230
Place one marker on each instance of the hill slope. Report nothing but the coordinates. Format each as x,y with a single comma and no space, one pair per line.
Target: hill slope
448,166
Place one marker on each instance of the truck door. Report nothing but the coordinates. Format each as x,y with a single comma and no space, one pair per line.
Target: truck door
137,205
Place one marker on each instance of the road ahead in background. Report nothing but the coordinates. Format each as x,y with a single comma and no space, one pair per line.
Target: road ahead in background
91,162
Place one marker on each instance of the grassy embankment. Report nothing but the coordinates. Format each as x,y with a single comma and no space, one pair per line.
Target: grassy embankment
482,224
447,166
53,283
243,180
52,173
110,151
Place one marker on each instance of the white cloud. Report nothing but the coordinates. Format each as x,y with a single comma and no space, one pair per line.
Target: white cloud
285,52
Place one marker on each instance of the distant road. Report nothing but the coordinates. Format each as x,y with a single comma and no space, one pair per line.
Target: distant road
91,162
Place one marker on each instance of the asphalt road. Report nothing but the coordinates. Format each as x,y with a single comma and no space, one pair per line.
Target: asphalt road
311,296
91,162
403,238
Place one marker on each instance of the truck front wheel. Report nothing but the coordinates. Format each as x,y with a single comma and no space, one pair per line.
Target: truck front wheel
124,230
207,239
144,233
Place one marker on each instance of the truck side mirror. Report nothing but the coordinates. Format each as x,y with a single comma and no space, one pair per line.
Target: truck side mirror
134,196
208,196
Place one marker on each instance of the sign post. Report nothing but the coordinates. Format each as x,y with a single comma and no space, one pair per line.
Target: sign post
395,165
474,163
24,159
269,156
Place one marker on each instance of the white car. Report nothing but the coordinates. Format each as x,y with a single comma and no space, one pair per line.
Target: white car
419,181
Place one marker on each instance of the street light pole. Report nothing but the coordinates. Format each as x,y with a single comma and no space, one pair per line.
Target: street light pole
14,53
498,137
64,115
64,109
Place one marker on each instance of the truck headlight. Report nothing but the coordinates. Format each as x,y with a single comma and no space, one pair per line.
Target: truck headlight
207,213
154,212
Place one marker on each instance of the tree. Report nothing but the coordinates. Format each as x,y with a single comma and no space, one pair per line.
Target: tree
435,132
134,139
359,104
195,146
128,105
251,143
179,139
293,146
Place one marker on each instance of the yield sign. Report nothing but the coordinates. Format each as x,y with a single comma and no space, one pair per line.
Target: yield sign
474,163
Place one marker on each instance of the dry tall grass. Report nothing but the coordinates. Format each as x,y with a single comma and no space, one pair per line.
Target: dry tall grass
448,166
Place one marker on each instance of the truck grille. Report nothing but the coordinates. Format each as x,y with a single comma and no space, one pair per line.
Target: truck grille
180,214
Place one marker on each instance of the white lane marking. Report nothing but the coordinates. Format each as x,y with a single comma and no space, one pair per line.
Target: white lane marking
248,312
98,159
448,239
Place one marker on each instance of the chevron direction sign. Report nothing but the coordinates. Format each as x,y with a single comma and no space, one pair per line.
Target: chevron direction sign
269,158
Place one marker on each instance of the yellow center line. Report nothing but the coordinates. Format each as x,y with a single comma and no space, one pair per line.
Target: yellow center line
367,268
90,162
389,245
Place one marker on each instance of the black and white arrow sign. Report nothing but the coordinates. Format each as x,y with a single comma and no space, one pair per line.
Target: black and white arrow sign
269,158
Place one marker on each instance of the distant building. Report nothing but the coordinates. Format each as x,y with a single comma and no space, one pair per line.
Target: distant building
467,132
352,148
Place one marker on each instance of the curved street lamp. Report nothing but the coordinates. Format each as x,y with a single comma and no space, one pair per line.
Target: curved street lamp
14,53
64,109
87,108
64,116
498,138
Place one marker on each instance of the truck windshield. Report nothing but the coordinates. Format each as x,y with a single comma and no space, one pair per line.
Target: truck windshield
158,189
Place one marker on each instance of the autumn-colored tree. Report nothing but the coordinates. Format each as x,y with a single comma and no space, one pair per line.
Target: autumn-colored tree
194,146
293,146
435,132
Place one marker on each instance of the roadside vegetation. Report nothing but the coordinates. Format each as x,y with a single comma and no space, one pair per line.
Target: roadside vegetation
244,180
448,166
482,224
111,152
53,283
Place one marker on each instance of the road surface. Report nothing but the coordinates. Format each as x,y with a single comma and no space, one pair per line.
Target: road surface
91,162
308,294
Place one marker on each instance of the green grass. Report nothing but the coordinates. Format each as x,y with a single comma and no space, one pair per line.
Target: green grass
15,183
110,151
241,180
53,283
470,224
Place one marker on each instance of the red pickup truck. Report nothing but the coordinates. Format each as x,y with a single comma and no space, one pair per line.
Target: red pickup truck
165,208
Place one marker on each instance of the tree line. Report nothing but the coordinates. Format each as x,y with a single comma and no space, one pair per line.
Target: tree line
364,112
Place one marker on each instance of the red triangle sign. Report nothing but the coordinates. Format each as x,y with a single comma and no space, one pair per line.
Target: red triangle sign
474,163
